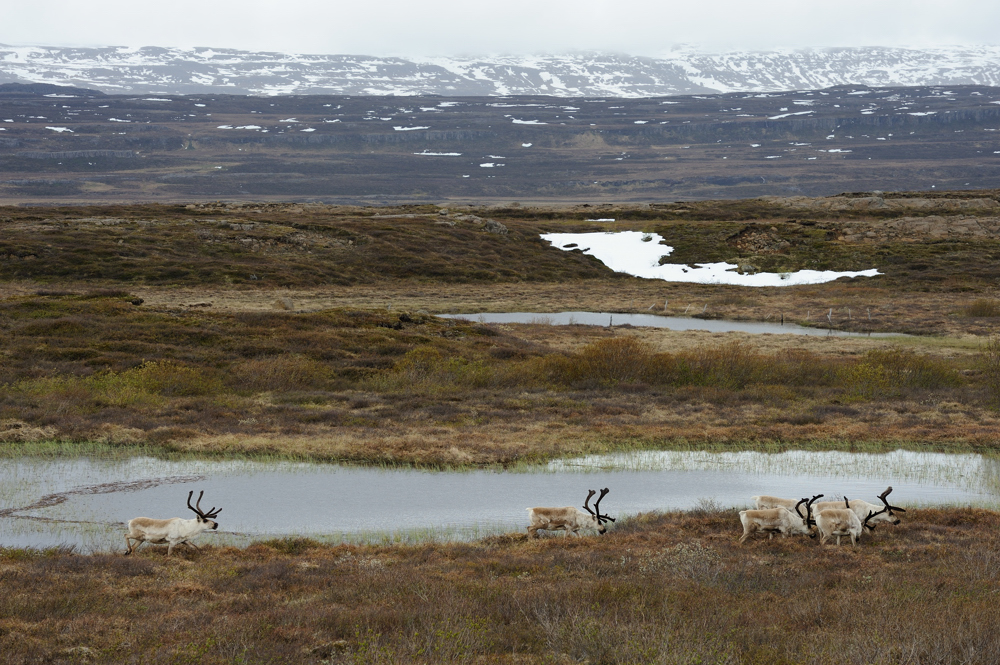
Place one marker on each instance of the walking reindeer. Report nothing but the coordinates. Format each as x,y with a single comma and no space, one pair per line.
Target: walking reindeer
172,531
779,520
570,518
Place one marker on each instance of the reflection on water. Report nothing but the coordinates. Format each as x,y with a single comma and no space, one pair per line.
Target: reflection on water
87,501
654,321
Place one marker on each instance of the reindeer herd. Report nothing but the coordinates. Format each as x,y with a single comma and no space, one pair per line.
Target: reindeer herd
828,518
771,515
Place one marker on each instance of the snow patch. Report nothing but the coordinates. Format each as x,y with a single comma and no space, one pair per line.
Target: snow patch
636,253
785,115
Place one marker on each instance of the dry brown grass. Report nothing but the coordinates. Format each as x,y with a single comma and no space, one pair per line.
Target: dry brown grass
659,588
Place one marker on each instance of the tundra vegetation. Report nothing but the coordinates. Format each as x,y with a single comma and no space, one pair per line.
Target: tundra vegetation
658,588
307,331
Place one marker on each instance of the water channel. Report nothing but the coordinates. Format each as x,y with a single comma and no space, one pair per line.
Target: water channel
85,502
655,321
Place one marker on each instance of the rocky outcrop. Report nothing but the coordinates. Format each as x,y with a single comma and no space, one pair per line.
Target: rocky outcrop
489,225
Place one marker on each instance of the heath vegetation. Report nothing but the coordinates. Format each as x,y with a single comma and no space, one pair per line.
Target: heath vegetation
658,588
374,386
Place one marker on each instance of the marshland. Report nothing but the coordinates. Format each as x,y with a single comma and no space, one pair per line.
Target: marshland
249,349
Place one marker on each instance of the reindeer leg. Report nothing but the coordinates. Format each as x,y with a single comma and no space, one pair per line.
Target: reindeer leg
128,545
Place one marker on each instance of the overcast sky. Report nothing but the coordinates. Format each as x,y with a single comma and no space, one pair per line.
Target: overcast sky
473,27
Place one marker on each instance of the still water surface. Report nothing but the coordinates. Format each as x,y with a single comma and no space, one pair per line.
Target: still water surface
86,502
654,321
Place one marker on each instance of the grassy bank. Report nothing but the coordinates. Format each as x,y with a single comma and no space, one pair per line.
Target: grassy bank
663,588
382,388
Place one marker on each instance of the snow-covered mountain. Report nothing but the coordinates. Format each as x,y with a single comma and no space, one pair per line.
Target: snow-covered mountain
151,70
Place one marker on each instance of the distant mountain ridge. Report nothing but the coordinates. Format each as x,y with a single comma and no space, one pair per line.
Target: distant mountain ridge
158,70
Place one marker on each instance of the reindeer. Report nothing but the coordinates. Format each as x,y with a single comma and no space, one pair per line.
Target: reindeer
763,502
174,530
862,509
843,521
780,520
569,518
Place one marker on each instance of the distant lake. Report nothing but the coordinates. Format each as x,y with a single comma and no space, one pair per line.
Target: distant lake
654,321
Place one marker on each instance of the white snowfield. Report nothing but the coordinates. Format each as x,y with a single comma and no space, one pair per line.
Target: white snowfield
161,70
639,254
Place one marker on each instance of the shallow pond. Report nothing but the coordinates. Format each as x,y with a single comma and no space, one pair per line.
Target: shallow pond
654,321
86,502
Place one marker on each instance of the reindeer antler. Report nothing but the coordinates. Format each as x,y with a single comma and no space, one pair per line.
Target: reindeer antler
197,507
890,508
196,510
809,520
801,501
597,508
866,525
587,507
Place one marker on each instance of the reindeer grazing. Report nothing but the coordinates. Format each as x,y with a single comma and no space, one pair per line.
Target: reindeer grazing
569,518
779,520
862,508
174,530
843,521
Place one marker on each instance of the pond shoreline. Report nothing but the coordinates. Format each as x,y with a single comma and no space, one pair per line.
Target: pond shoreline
86,501
102,450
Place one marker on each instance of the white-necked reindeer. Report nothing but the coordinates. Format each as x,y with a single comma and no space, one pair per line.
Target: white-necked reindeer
843,521
886,513
779,520
569,518
172,531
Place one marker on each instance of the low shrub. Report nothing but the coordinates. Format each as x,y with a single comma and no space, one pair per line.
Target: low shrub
982,308
285,372
989,360
883,373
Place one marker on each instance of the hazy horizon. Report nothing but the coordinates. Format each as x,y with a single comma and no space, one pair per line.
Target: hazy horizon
448,28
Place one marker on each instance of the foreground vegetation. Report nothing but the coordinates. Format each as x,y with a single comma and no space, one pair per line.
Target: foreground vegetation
659,588
181,330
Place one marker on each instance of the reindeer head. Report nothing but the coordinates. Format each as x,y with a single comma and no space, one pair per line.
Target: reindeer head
807,521
206,518
892,510
596,512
